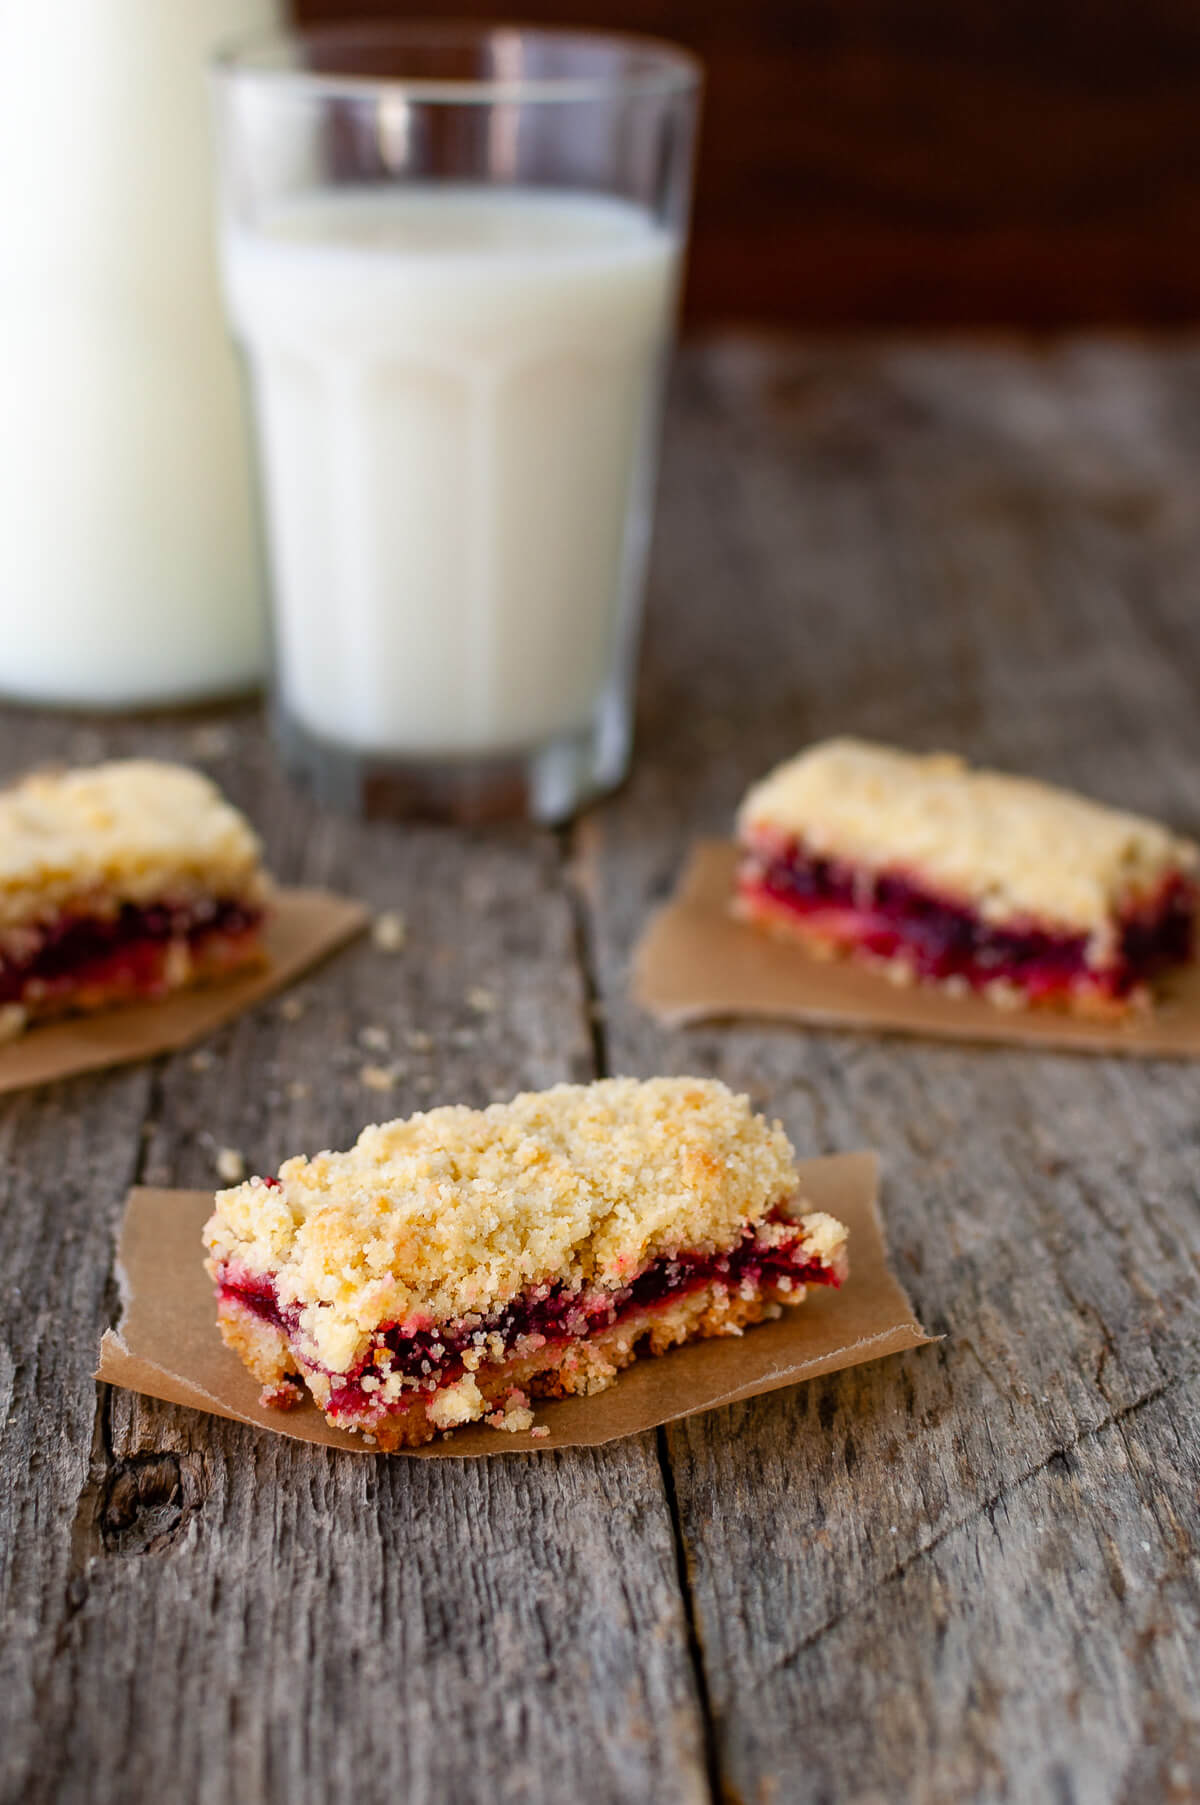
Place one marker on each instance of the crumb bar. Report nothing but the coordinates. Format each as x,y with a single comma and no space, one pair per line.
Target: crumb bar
979,882
450,1265
121,882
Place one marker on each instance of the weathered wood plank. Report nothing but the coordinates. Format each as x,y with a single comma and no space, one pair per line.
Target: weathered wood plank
66,1159
981,546
996,550
1042,1647
212,1615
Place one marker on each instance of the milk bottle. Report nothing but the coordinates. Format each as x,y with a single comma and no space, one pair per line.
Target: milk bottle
127,569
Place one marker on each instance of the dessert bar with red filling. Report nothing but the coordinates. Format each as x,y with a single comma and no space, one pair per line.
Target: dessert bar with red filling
1027,895
451,1265
120,882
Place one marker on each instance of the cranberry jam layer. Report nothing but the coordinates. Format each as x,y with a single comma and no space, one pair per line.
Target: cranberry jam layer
81,961
448,1265
550,1341
892,919
975,880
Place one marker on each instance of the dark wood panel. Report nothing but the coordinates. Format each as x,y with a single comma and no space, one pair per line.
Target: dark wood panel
918,161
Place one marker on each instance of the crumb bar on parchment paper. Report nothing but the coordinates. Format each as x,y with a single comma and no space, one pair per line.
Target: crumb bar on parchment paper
450,1265
119,883
1025,894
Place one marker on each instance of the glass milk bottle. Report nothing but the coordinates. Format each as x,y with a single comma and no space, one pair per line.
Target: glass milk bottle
127,566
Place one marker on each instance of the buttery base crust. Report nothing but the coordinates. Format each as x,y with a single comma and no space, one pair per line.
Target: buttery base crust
557,1370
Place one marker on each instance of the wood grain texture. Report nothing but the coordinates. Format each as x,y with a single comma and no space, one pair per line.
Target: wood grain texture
970,1572
974,1567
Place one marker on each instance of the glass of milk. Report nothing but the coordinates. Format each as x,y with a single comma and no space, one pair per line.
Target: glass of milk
451,260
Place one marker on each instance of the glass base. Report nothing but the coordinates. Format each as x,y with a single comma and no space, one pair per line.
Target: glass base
549,784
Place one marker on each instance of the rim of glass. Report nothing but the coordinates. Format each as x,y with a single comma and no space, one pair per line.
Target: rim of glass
264,56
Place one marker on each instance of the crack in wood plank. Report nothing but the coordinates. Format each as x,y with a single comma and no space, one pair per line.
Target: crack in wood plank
1059,1457
575,849
718,1791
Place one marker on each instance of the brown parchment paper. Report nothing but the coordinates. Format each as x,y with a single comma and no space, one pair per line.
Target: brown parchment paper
304,927
167,1344
695,962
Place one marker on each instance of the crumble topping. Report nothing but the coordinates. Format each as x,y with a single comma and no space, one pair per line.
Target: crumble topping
132,831
1012,847
824,1236
455,1404
456,1211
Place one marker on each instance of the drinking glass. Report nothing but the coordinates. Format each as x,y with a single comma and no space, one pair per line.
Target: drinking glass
451,258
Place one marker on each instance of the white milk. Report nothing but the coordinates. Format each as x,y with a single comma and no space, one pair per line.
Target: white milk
454,393
127,571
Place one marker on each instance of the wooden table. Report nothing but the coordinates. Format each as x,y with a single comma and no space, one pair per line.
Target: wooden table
966,1573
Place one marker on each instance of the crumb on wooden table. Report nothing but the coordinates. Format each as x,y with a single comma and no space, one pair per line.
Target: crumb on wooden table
12,1021
389,931
211,742
230,1165
515,1417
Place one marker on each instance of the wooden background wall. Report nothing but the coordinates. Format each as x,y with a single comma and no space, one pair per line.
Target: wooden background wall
1034,162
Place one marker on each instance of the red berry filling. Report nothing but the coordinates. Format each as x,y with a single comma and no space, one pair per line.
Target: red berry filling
433,1356
126,951
889,915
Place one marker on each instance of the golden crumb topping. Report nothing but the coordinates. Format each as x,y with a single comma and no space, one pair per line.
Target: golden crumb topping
132,831
456,1211
1011,847
825,1239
